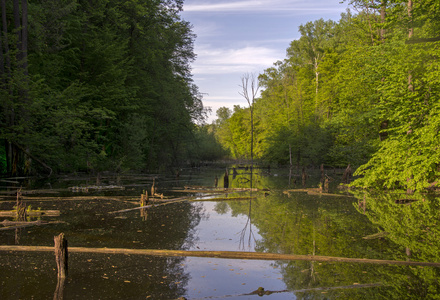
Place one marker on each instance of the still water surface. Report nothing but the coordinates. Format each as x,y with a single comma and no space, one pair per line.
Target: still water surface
275,220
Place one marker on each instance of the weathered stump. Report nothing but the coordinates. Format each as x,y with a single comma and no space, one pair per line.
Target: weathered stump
61,255
153,188
21,212
20,208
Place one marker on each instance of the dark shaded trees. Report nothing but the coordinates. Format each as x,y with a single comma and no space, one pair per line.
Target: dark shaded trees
110,83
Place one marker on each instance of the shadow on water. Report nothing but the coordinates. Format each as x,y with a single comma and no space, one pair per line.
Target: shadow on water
278,215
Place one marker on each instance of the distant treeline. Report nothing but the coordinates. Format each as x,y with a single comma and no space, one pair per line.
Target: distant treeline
362,91
97,85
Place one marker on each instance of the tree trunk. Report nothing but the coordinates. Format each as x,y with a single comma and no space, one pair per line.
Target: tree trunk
17,28
410,29
383,8
24,36
9,114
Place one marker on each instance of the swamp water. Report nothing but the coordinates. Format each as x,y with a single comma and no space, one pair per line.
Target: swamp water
279,219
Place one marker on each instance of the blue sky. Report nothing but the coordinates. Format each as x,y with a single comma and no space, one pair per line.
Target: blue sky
236,37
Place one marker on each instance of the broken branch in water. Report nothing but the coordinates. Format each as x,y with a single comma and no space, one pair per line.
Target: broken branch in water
151,205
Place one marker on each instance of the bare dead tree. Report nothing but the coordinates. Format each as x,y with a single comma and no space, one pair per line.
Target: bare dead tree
249,90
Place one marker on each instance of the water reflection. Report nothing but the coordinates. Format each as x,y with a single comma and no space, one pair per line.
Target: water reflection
291,223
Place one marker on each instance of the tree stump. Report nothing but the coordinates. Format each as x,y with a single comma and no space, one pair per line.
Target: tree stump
61,255
153,188
226,180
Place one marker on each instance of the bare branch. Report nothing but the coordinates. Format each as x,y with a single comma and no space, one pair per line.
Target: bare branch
249,87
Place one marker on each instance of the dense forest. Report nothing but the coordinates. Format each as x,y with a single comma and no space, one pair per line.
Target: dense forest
107,85
97,85
363,91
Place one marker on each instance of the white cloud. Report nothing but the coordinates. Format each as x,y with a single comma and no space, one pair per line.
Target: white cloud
262,5
241,60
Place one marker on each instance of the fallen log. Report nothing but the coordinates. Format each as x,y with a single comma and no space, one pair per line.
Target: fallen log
28,224
213,190
147,206
220,254
224,199
73,198
32,213
314,191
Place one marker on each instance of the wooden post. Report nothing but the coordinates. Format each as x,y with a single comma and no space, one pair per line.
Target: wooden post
215,181
61,255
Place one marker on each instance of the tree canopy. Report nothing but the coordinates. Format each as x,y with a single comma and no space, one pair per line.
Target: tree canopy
362,91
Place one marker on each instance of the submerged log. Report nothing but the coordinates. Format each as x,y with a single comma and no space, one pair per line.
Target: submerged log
74,198
15,225
221,254
314,191
224,199
32,213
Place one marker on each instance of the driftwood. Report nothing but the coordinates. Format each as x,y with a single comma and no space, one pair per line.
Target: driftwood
314,191
220,254
97,188
148,206
10,225
179,200
74,198
207,190
32,213
224,199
